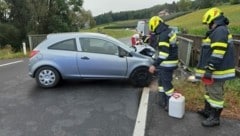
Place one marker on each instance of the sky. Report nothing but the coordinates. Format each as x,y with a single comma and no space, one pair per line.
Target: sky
98,7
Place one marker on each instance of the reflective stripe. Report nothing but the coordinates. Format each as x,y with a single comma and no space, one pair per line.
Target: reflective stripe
173,39
218,53
160,89
217,56
206,44
211,67
217,74
163,44
224,72
163,55
219,44
147,38
206,41
169,63
169,92
230,40
213,103
230,36
221,52
206,96
224,76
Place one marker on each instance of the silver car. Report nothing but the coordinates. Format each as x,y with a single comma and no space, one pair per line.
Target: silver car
88,56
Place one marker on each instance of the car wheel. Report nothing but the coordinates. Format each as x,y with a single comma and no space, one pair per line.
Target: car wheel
47,77
141,77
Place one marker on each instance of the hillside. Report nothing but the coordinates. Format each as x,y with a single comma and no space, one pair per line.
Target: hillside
192,21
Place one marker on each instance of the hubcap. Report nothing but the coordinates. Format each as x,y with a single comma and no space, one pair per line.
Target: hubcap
47,77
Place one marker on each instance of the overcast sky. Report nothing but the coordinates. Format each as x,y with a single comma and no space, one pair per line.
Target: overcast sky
98,7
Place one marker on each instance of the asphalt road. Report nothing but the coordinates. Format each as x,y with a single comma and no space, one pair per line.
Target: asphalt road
75,108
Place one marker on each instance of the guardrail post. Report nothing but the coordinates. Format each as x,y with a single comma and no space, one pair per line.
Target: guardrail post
24,48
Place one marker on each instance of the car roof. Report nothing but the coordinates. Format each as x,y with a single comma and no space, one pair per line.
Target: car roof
73,34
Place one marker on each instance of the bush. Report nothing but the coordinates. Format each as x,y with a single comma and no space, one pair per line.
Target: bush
234,2
10,35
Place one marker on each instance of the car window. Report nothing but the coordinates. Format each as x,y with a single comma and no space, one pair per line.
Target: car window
94,45
69,45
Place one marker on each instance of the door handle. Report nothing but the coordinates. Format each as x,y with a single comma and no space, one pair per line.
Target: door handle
85,58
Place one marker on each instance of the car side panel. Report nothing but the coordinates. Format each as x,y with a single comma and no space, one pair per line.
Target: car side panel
101,65
64,61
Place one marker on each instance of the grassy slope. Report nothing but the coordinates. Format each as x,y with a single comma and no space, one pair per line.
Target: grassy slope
193,22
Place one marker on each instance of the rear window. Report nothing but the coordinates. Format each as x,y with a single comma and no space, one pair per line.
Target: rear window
68,45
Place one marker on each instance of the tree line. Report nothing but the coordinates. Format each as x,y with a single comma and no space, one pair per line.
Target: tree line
174,7
18,18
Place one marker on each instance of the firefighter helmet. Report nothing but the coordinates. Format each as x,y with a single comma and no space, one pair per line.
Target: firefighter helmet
154,22
210,15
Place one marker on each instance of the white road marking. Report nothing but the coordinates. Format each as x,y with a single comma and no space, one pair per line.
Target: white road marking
10,63
140,124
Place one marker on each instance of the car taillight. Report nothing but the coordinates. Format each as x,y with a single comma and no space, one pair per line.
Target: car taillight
33,53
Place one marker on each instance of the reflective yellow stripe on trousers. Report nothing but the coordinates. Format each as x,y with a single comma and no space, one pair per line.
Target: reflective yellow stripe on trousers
214,103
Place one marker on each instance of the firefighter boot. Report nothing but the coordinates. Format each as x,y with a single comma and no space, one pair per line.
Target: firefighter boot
213,119
167,102
206,111
162,96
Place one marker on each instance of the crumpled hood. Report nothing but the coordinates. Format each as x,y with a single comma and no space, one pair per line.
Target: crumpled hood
145,49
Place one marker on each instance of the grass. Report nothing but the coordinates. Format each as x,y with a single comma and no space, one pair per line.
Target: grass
193,22
6,53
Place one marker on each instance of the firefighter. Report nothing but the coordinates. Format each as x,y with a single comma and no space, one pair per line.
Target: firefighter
167,59
216,64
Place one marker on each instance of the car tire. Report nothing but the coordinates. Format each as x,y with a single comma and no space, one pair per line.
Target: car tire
47,77
141,77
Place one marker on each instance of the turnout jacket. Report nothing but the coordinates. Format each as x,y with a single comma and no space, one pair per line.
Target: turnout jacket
167,48
217,55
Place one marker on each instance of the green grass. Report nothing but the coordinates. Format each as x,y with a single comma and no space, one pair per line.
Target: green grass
8,54
233,85
192,22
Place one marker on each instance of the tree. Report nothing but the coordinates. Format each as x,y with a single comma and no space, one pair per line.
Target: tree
184,5
9,34
234,1
44,16
39,15
4,11
199,4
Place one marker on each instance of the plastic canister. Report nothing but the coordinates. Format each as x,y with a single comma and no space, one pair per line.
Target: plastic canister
176,105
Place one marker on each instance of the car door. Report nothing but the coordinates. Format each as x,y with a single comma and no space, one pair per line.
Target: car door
100,59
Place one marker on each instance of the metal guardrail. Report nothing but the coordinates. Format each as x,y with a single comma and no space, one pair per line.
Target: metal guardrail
34,40
196,45
184,50
237,54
